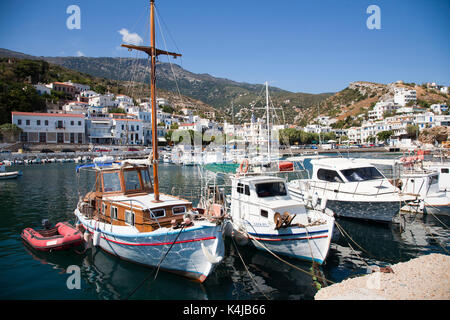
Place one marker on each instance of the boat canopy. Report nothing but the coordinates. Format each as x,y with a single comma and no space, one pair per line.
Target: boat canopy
92,165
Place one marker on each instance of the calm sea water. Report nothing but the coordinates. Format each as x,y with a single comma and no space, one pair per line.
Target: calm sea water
50,192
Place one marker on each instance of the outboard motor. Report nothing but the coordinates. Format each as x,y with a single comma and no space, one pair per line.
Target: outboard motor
46,224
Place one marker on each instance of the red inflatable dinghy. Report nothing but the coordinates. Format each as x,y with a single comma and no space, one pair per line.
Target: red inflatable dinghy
62,236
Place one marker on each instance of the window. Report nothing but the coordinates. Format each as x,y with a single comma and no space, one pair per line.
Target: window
157,213
179,210
28,122
132,180
264,213
79,123
434,179
146,179
329,175
444,170
103,208
111,182
362,174
72,123
247,190
240,188
38,122
129,218
46,122
271,189
114,213
19,122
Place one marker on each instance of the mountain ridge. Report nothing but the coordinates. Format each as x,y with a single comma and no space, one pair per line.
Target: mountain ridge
216,92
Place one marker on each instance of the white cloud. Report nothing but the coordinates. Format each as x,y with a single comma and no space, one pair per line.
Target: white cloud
80,54
130,38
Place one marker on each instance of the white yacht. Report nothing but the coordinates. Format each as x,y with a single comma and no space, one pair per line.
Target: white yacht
422,181
351,188
263,211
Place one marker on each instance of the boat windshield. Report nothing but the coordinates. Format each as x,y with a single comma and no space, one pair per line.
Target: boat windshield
270,189
362,174
111,182
131,178
146,179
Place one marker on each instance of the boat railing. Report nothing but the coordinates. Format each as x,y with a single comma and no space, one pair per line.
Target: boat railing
324,186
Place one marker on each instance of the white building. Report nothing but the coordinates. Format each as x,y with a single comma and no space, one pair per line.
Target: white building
438,108
42,89
103,100
78,86
75,107
403,96
128,131
380,109
50,127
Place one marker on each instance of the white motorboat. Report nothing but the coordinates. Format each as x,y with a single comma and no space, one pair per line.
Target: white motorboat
351,188
263,211
422,181
4,175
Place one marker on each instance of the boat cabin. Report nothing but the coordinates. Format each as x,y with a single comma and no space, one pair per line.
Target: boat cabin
342,170
260,199
124,196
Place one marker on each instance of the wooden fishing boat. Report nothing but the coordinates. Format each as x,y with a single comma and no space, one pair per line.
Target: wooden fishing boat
128,217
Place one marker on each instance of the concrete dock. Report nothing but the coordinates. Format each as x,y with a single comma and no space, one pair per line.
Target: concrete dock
424,278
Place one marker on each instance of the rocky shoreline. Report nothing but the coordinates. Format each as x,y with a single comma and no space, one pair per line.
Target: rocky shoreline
422,278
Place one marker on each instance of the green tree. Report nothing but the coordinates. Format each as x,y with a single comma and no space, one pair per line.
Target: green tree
384,135
412,131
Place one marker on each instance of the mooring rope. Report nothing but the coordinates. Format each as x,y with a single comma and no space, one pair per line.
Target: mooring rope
157,268
248,271
282,260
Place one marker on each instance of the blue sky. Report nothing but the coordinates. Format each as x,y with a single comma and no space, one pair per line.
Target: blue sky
297,45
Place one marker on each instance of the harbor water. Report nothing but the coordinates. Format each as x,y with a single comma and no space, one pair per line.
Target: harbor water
50,191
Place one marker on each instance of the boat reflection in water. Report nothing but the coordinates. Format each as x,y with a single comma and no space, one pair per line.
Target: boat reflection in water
108,278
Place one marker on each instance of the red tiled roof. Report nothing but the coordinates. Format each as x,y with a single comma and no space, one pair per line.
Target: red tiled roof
42,114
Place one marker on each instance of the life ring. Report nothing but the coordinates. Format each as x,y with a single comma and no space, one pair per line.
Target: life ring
241,167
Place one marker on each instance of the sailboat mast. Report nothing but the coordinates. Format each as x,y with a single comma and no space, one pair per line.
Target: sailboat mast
268,121
153,99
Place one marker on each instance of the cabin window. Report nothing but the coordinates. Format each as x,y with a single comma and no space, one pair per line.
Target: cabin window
146,179
434,179
264,213
132,180
129,217
240,188
179,210
328,175
103,208
271,189
444,170
158,213
114,213
247,190
362,174
111,182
